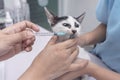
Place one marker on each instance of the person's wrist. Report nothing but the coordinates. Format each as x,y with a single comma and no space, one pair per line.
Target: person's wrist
39,72
34,73
81,41
90,69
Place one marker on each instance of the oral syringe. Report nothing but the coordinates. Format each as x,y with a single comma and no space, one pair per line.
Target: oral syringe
50,34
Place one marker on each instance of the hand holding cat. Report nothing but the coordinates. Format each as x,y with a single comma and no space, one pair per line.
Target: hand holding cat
78,73
61,55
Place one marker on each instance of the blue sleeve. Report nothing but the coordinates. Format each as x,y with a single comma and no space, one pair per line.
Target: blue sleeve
102,11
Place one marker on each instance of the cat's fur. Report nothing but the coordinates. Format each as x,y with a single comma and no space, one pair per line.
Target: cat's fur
68,24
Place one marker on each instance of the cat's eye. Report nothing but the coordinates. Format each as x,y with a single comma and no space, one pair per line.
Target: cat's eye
76,25
66,25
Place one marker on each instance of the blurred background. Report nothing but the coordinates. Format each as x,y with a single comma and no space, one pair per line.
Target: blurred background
20,10
13,11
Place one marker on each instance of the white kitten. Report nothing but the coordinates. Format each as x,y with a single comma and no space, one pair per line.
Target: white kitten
67,24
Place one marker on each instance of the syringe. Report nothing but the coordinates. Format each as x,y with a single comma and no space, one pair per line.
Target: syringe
50,34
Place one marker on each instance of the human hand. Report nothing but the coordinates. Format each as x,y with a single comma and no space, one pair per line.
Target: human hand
75,74
54,60
16,38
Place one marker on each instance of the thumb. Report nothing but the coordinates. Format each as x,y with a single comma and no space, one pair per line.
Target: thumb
21,36
78,65
52,40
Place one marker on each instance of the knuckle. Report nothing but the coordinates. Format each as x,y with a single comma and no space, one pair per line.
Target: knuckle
33,39
61,53
25,21
24,33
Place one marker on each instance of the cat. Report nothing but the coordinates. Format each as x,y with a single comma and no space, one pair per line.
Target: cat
68,24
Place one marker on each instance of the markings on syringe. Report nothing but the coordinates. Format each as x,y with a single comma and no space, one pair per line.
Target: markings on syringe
44,34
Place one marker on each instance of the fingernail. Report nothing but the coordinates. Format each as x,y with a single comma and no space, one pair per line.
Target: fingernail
54,37
37,27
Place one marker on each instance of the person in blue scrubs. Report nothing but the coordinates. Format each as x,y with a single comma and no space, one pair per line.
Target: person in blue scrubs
106,37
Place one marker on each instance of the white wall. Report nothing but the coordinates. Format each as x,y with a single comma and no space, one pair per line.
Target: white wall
77,7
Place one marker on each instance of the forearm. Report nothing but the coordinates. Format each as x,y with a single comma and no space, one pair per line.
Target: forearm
101,73
33,74
96,36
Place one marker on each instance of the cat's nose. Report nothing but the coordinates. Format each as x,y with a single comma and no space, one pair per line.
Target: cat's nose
74,31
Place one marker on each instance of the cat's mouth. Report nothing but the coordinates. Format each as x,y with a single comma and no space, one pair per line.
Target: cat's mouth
72,36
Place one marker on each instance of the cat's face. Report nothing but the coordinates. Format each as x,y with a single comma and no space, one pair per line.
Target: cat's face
67,24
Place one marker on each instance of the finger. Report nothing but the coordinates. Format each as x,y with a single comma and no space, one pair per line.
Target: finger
69,43
26,24
71,50
74,55
75,67
28,49
6,56
29,41
52,40
19,37
78,65
18,27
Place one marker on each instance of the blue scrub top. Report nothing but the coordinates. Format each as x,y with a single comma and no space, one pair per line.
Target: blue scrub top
108,12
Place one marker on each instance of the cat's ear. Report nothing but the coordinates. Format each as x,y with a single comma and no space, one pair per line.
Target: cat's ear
50,16
81,17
